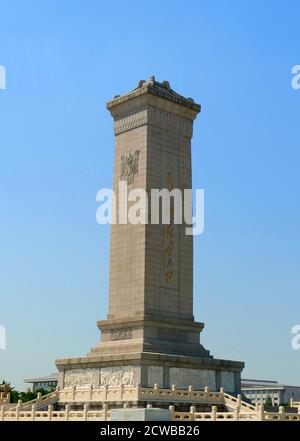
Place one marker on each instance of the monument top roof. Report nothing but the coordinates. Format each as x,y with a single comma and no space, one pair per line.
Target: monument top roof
153,87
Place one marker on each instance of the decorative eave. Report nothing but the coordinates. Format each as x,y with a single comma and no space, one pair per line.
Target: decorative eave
155,94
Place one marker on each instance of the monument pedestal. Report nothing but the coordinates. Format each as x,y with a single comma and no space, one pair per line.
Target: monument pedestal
150,336
148,369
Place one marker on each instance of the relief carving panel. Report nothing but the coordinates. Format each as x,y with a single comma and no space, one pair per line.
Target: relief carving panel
79,377
117,376
121,334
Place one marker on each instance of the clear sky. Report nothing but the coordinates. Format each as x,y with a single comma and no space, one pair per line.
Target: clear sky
64,61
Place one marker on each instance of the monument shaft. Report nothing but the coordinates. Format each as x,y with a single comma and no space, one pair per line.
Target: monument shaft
151,266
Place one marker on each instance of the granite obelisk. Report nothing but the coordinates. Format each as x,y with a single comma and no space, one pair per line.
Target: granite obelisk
150,335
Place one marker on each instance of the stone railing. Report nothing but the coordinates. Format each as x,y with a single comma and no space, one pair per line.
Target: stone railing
155,394
233,403
105,415
138,393
42,401
237,415
99,395
181,395
41,409
55,415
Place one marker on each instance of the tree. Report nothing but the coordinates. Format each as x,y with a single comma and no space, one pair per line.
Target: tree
268,403
6,388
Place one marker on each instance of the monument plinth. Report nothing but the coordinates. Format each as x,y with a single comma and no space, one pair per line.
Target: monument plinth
150,335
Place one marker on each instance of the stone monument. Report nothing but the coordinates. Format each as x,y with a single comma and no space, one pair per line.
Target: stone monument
150,336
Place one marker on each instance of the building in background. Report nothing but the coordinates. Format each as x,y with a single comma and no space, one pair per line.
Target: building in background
257,391
46,383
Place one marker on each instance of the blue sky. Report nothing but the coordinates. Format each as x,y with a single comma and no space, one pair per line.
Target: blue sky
64,61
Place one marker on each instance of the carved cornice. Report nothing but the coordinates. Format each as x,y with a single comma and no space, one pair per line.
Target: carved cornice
130,120
146,114
156,89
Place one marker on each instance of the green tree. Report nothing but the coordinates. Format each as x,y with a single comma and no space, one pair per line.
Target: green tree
268,403
6,388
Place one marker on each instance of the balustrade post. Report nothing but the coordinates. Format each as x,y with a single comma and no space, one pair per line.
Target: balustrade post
126,405
261,413
105,408
173,389
156,388
105,392
33,410
18,411
190,390
2,413
50,410
236,414
192,412
39,397
149,406
73,392
91,392
172,411
291,402
206,391
121,391
138,390
281,412
85,412
214,413
67,411
239,401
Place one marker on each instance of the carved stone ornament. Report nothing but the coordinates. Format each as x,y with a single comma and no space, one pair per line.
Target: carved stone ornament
79,378
117,376
121,334
129,166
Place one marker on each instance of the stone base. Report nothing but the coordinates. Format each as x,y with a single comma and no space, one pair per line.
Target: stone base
148,369
150,333
146,350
